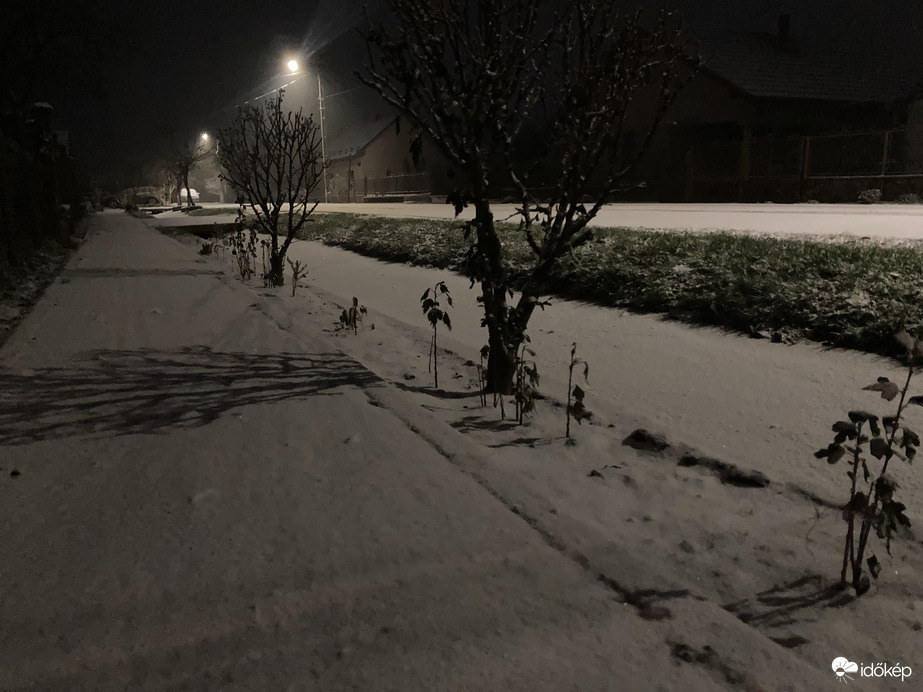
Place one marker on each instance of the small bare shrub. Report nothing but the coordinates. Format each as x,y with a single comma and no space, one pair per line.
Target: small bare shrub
243,246
298,271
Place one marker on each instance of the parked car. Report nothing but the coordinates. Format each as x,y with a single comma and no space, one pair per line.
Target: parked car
184,199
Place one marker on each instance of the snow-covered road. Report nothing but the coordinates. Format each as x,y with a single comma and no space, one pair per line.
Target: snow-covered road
902,221
885,220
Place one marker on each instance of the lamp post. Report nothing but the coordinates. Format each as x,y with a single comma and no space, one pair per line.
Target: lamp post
323,138
204,137
294,67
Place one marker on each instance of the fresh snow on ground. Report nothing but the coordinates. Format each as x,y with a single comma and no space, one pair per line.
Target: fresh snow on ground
220,490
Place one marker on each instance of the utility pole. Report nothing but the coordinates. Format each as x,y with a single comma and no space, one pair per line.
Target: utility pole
323,139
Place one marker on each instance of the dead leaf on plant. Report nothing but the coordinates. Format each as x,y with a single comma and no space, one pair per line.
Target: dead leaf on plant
888,389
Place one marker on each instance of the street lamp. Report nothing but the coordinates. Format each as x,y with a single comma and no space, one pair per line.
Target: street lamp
323,138
293,67
205,137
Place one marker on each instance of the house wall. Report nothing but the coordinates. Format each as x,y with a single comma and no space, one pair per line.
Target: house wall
706,133
388,156
706,110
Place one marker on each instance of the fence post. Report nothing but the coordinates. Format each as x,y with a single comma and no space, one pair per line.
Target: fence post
805,166
744,169
689,190
885,155
885,151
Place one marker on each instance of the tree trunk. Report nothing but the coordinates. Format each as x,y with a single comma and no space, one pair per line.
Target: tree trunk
501,368
501,363
188,191
276,269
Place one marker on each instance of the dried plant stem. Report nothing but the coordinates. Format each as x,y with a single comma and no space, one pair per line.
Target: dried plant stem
849,555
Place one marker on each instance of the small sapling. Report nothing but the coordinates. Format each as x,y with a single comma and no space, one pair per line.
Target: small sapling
871,503
482,374
435,313
575,406
298,271
526,381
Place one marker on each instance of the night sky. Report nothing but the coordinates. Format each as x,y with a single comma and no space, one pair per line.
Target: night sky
141,72
162,70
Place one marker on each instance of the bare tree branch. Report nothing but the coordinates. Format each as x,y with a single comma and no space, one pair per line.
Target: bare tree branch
535,94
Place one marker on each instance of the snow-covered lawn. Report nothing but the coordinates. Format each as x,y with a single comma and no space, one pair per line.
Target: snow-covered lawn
648,522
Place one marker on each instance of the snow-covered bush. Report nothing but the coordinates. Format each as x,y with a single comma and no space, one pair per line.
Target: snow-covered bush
872,196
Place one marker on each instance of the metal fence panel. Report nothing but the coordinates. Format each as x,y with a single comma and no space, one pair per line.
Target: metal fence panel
394,185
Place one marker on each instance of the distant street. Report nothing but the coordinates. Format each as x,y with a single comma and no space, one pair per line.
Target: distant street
879,221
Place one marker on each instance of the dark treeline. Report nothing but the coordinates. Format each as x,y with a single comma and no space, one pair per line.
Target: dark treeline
46,51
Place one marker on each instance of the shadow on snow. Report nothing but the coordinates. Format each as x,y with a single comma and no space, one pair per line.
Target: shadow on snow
124,392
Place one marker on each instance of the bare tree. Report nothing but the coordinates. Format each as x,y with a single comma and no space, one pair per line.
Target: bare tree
159,173
273,158
183,157
476,76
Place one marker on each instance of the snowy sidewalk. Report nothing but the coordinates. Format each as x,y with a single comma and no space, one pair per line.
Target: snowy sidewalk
206,501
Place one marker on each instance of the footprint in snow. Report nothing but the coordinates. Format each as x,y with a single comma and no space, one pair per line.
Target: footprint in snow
201,497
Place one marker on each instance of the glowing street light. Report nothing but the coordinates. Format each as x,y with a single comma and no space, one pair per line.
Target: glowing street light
292,65
204,136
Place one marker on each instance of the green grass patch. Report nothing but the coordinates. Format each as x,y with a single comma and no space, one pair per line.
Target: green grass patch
847,293
214,211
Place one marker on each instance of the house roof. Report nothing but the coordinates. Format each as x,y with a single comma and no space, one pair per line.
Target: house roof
356,136
763,66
